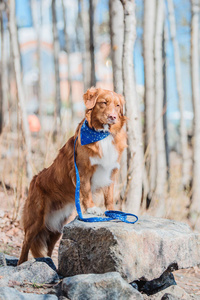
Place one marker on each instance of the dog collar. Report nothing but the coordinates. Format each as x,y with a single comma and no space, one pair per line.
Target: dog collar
89,135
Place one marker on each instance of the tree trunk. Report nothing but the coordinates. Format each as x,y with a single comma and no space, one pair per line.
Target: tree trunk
38,29
164,57
86,53
20,87
117,38
1,73
159,132
67,48
92,57
134,151
183,130
148,44
56,65
195,206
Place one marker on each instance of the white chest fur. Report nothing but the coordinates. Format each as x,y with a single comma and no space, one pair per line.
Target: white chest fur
105,164
54,221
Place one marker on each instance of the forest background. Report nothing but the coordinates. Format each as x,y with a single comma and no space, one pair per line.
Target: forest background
148,51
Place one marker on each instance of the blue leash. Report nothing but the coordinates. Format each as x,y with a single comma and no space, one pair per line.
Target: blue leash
85,134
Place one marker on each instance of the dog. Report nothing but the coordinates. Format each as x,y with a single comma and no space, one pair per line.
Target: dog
51,195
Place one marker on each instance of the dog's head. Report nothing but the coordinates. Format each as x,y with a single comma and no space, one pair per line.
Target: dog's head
104,107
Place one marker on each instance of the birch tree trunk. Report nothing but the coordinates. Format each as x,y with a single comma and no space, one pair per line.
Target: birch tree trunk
20,87
117,38
92,57
38,28
86,37
183,130
195,206
134,151
67,48
56,64
159,132
148,44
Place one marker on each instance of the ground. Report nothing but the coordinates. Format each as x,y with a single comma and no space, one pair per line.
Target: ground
11,237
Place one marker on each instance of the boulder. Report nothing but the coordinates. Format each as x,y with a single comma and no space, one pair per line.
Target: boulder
144,250
7,293
99,286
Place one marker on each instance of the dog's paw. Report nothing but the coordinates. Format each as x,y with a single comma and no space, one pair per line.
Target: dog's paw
95,211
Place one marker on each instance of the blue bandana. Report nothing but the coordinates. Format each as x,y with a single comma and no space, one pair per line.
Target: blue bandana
89,135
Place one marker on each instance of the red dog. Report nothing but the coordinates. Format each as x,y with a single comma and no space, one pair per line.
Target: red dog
51,194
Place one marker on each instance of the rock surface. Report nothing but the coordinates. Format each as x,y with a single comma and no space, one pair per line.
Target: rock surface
32,271
144,250
109,286
171,293
7,293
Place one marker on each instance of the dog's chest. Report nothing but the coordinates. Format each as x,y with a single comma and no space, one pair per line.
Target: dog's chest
105,164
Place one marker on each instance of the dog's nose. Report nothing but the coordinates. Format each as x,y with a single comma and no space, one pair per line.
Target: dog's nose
112,117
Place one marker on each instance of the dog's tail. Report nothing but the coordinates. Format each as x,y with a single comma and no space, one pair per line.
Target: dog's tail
39,244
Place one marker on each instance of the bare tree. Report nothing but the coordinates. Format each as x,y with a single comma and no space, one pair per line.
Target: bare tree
195,206
117,37
159,132
67,48
183,131
134,151
37,22
148,44
56,64
84,16
20,87
92,57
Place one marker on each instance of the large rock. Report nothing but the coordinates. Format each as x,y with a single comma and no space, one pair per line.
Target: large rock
108,286
140,251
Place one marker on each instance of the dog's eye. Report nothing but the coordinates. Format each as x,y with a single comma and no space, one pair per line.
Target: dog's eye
118,105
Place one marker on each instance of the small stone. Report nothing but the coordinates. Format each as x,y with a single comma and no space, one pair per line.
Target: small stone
7,293
108,286
30,271
2,260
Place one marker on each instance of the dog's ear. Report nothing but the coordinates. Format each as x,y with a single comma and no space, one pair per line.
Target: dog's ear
122,102
90,97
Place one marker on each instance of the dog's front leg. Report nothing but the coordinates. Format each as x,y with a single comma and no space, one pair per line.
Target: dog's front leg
86,196
109,191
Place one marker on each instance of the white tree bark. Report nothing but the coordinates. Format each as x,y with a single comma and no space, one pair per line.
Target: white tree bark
195,206
183,130
148,44
117,38
67,47
86,37
134,151
159,132
92,56
20,87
